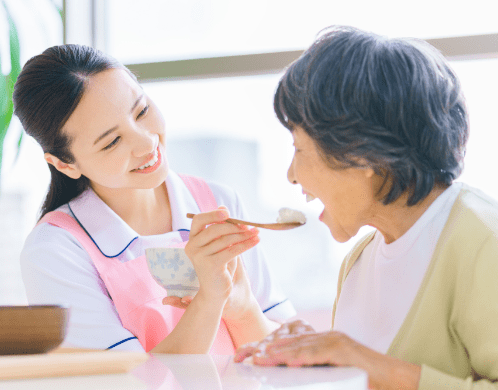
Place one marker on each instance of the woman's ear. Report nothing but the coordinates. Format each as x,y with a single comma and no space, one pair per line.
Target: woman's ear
69,170
369,172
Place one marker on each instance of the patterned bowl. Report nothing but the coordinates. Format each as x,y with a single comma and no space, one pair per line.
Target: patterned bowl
172,269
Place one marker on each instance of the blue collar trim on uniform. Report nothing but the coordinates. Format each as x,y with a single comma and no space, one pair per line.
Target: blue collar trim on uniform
111,235
276,304
91,238
121,342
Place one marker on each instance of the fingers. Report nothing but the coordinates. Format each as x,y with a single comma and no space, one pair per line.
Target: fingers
232,266
187,300
245,351
224,248
240,271
236,245
285,336
215,231
292,329
213,247
173,301
216,239
201,220
330,348
300,327
291,351
180,303
304,350
255,348
209,235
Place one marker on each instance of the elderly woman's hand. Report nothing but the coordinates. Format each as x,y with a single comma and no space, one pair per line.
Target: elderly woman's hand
287,330
296,344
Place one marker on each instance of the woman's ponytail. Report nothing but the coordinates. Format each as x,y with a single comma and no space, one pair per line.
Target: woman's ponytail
61,190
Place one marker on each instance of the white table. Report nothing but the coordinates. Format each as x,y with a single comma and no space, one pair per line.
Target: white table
204,372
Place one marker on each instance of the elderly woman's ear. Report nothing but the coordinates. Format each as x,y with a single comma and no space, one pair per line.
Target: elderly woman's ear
365,165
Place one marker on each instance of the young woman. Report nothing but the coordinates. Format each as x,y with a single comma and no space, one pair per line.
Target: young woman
111,197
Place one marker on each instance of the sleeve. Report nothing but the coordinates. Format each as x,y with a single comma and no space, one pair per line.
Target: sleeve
57,270
264,285
477,326
432,379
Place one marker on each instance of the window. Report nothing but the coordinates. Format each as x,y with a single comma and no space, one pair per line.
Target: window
157,30
480,82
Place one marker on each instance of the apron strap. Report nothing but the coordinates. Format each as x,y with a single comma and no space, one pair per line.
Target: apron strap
201,192
198,188
68,223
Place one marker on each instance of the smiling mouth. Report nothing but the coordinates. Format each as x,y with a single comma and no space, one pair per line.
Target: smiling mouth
152,161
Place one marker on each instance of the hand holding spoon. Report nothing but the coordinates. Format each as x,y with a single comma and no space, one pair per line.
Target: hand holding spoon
272,226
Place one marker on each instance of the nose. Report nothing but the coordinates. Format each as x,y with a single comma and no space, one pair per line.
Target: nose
290,173
144,143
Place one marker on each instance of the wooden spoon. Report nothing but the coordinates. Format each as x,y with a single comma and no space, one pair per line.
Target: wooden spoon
272,226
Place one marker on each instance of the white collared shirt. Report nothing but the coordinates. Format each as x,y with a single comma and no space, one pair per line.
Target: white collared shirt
57,270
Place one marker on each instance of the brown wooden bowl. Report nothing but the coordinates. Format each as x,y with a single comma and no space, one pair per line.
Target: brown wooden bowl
32,329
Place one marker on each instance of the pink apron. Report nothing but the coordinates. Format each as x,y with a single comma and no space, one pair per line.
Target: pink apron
136,295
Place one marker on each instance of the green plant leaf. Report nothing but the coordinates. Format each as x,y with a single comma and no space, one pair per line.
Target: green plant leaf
19,145
7,83
59,9
3,93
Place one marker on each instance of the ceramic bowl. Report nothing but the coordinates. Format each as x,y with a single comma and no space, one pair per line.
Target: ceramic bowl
32,329
172,269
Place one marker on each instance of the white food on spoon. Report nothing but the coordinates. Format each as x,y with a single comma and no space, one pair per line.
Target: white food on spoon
289,215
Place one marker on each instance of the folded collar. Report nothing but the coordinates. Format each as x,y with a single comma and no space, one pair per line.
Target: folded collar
110,233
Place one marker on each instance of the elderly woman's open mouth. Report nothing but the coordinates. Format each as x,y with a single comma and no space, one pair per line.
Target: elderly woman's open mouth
310,198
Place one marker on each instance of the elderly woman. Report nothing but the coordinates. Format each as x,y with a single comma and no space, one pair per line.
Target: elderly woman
380,128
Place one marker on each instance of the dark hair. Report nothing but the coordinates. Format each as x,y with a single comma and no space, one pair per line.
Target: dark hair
46,93
394,105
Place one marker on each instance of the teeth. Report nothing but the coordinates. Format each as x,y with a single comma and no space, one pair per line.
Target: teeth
151,162
309,198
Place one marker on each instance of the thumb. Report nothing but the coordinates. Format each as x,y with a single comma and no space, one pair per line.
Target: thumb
224,208
240,270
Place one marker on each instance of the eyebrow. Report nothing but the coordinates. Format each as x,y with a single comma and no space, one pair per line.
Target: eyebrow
106,133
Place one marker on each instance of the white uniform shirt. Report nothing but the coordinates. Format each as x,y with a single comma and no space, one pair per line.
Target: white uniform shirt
381,286
57,270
